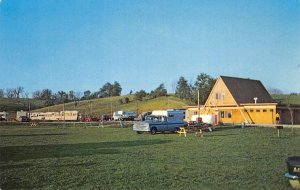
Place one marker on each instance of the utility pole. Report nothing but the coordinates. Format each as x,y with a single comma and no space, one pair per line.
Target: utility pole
137,108
91,109
64,115
198,104
111,110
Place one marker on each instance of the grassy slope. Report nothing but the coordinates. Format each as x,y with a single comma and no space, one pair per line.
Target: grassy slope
292,99
13,104
104,105
117,158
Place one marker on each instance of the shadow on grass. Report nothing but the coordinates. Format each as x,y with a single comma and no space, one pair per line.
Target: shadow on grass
225,128
15,166
31,135
17,153
219,135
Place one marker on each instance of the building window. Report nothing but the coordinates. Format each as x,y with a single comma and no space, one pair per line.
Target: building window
251,110
195,113
229,114
223,96
222,114
257,110
271,110
264,110
220,96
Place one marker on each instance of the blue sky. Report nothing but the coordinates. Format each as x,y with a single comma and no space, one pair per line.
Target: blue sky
82,44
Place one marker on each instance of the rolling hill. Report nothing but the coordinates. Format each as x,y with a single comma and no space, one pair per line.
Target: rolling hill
107,105
287,99
111,104
14,104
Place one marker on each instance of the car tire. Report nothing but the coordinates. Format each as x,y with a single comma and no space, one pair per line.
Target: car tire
153,131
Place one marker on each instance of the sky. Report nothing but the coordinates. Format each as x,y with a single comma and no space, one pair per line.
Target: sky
82,44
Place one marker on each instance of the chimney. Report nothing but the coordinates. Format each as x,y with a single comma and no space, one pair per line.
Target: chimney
255,100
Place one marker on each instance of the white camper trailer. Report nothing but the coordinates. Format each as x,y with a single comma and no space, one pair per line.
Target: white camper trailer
3,116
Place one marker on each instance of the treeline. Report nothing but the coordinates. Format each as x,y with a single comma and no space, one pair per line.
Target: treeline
184,90
107,90
52,98
189,91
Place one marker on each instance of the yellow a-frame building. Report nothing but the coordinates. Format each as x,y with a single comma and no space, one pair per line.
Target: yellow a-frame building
238,100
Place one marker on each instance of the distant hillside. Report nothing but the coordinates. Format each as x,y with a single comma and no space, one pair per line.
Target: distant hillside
17,104
106,105
284,98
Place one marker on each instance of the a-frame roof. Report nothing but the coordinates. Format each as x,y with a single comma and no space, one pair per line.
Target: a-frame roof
244,90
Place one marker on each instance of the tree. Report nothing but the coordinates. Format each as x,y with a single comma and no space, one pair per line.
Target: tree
126,100
117,89
10,93
106,90
37,95
159,91
274,91
289,106
86,94
62,96
46,94
18,91
1,93
183,90
140,95
204,84
26,95
71,95
94,95
78,95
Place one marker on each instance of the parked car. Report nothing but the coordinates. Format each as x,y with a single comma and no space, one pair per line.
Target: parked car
293,173
106,117
24,119
127,118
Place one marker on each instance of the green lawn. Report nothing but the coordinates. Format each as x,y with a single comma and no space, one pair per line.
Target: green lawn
117,158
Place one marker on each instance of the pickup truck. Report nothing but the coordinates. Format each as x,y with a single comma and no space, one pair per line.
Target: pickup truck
158,123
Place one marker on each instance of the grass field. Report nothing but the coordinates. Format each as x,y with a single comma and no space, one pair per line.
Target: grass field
117,158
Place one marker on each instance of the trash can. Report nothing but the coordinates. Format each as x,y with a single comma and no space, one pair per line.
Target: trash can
293,174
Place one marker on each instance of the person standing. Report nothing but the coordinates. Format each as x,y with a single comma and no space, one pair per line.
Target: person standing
277,118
